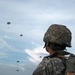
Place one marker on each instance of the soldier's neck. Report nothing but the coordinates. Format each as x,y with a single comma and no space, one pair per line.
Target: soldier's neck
51,52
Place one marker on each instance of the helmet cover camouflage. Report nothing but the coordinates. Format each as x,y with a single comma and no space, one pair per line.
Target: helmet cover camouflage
58,34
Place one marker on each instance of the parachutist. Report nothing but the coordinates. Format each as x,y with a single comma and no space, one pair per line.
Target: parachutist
21,34
8,23
17,70
40,56
17,61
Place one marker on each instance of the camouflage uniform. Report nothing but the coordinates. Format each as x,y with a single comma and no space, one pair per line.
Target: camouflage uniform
55,65
50,66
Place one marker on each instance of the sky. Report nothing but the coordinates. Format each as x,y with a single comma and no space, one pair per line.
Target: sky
19,55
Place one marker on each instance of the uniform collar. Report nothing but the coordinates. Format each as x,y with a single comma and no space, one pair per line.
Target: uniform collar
53,55
56,54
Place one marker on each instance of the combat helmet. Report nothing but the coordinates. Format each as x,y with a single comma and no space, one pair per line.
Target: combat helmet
58,34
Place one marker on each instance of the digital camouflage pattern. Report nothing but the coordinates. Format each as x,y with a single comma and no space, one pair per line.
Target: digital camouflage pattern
50,66
70,65
58,34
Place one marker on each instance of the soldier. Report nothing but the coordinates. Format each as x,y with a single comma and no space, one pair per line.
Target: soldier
56,39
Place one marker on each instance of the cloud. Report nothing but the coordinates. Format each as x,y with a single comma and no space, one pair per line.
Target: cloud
17,66
32,10
30,15
3,55
6,36
20,66
31,18
11,69
3,44
36,54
